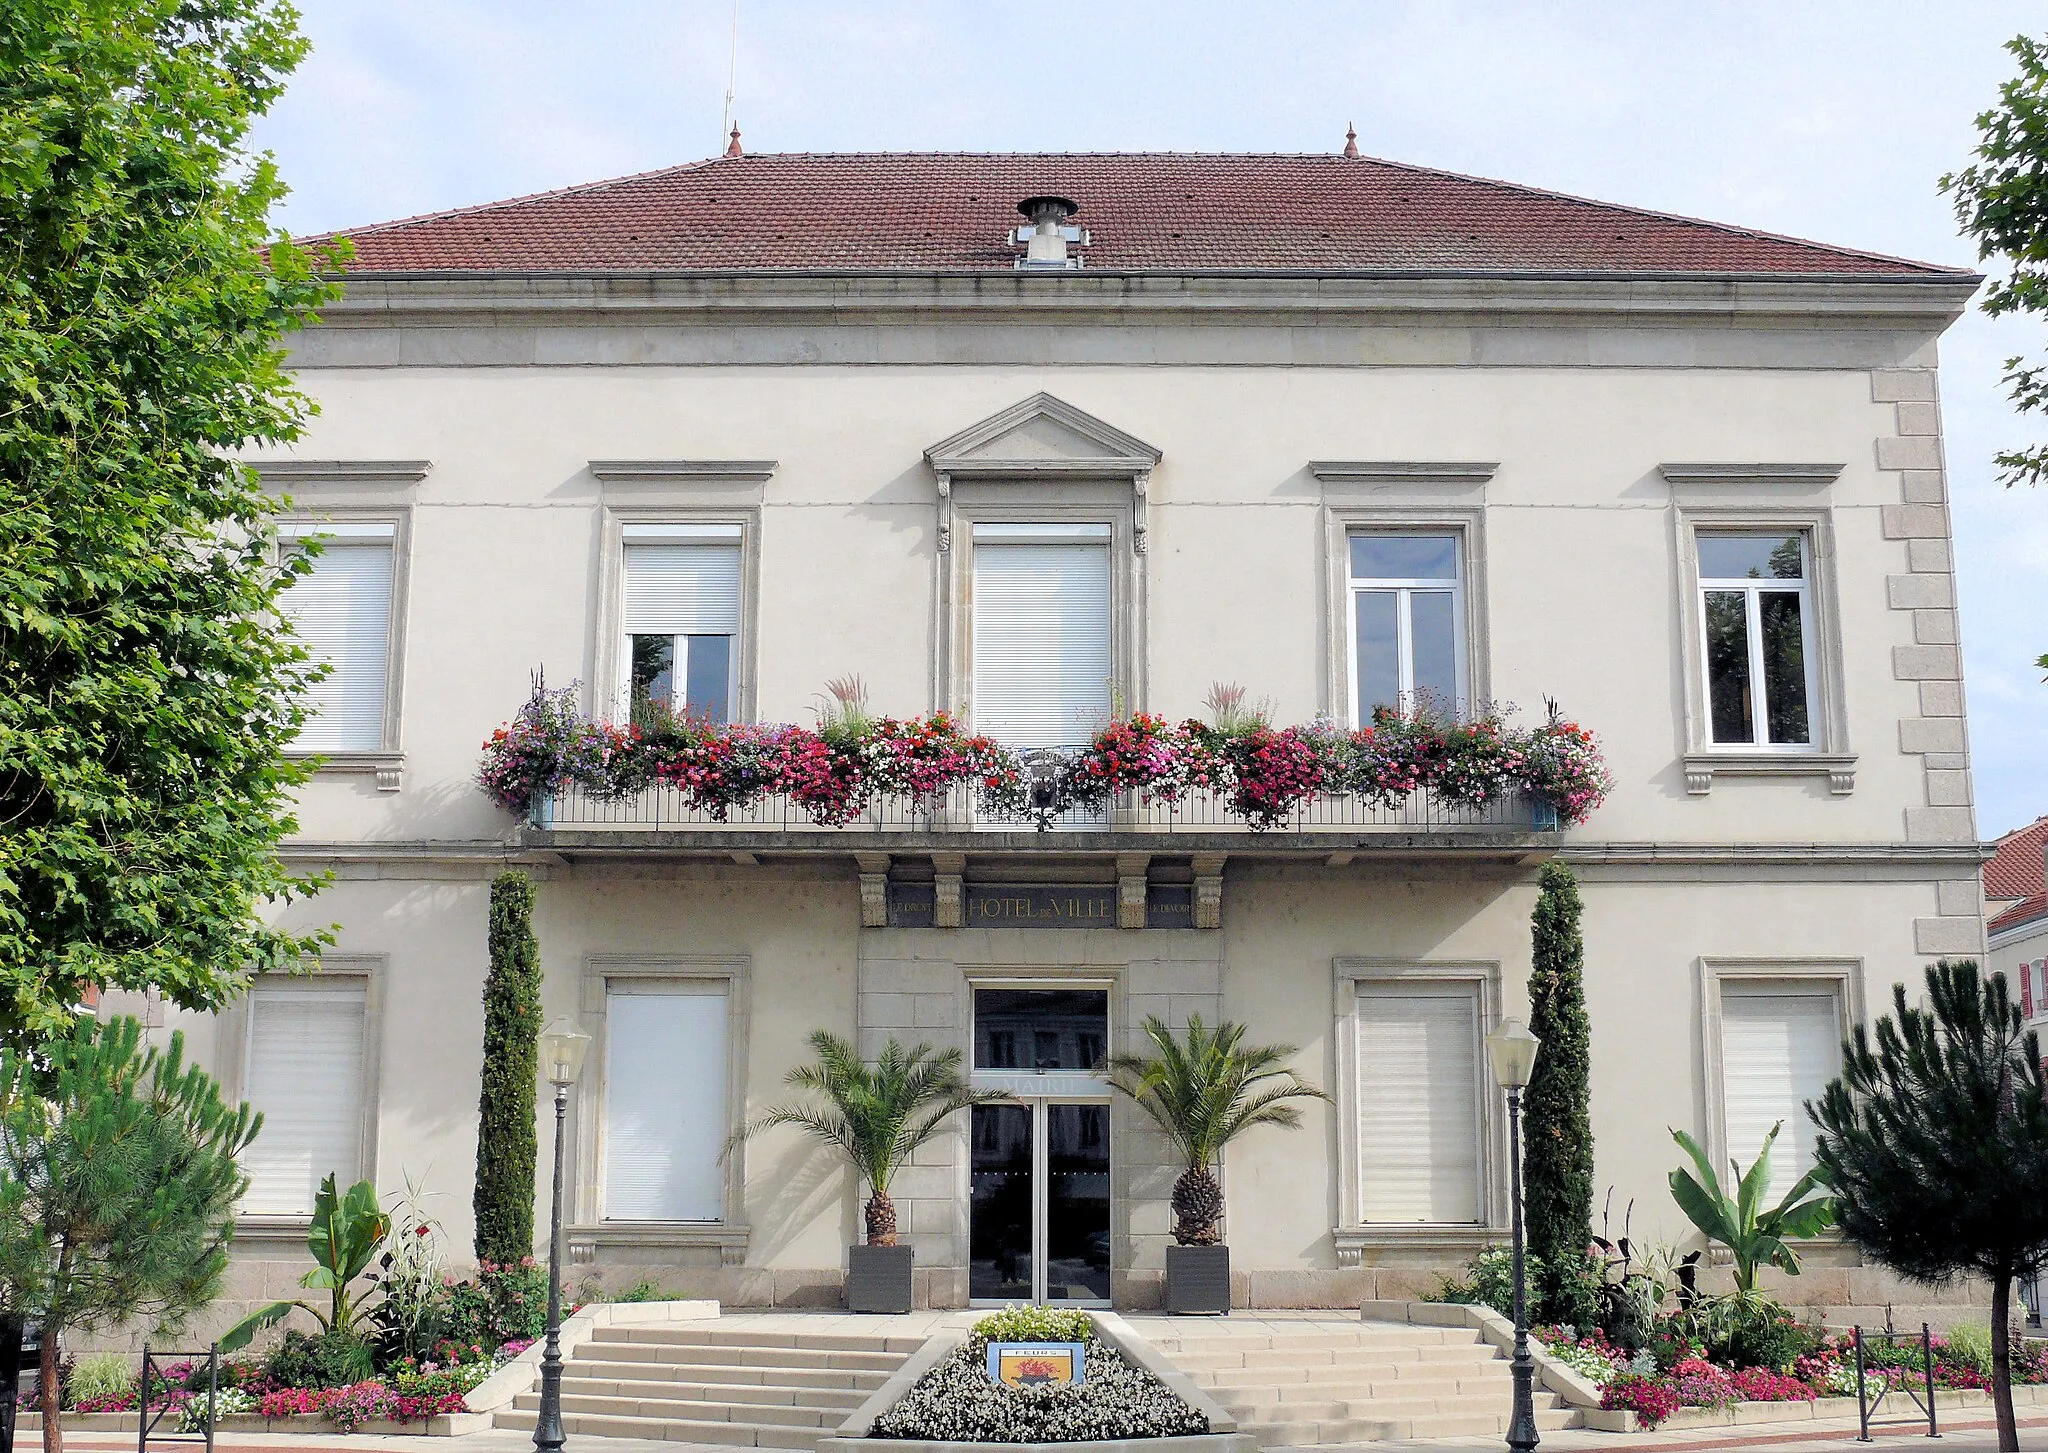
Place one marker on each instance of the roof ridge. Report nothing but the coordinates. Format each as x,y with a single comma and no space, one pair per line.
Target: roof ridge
1335,158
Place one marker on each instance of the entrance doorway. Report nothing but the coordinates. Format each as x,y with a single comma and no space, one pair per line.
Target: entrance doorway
1038,1218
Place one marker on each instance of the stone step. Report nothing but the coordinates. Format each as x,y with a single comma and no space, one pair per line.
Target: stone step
713,1354
1417,1428
1360,1371
625,1407
1487,1385
704,1337
1367,1408
671,1430
1365,1336
839,1378
752,1393
1313,1357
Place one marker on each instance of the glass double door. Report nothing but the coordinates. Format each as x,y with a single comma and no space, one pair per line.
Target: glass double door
1038,1222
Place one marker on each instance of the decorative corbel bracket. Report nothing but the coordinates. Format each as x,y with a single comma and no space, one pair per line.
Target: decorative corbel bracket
945,511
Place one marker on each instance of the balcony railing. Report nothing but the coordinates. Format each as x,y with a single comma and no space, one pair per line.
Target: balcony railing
665,809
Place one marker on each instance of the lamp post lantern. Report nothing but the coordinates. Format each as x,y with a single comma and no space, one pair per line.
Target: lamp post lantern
562,1046
1512,1051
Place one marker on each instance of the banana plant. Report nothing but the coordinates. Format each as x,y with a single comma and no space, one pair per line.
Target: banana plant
345,1234
1755,1237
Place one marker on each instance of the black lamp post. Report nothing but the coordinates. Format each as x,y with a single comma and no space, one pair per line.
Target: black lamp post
1512,1050
561,1056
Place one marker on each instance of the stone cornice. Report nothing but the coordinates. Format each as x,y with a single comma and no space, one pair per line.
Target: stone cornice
683,471
572,298
341,471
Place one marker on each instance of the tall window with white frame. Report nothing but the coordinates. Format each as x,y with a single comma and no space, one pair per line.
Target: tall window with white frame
1407,621
1042,655
1418,1058
341,611
1756,619
681,615
304,1069
1780,1045
665,1100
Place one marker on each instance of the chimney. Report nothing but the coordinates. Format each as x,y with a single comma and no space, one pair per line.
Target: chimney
1046,243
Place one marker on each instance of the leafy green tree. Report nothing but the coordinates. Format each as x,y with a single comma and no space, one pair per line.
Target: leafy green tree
2001,199
1557,1128
1936,1144
876,1114
118,1186
506,1145
146,691
1755,1235
1204,1089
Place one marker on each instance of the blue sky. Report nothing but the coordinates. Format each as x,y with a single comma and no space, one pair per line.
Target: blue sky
1823,120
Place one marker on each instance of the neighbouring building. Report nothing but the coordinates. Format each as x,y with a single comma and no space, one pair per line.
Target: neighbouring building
2016,897
1337,430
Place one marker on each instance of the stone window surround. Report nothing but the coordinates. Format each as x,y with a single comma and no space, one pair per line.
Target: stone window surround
1775,497
1354,1236
676,492
233,1071
1364,497
587,1232
1843,976
1062,501
360,492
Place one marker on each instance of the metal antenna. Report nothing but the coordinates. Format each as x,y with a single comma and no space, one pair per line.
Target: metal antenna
732,75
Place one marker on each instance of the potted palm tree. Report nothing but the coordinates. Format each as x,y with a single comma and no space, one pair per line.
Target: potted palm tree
877,1115
1204,1089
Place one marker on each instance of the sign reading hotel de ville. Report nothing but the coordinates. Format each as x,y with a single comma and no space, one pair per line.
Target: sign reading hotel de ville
1040,905
1037,1364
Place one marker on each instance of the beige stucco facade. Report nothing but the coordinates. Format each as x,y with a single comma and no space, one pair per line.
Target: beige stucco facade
1596,425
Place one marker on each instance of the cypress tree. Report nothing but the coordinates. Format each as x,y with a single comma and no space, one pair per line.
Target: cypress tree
506,1145
1557,1133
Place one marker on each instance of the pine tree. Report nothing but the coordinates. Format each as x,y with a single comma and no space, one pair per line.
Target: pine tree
506,1144
118,1186
1936,1147
1557,1132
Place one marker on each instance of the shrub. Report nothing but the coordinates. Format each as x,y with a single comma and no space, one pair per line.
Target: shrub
1748,1329
100,1377
504,1304
1034,1324
1490,1280
1557,1166
1968,1344
1650,1399
328,1359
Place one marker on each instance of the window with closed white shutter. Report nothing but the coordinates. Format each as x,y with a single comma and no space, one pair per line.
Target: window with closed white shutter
1042,657
304,1072
1418,1103
682,617
1779,1048
342,614
665,1103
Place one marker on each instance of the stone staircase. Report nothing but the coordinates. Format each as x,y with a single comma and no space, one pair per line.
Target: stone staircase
703,1384
1335,1383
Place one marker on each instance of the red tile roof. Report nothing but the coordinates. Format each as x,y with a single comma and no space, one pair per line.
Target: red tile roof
2027,909
1172,212
2016,869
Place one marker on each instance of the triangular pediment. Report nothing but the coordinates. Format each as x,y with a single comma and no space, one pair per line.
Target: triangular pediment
1042,435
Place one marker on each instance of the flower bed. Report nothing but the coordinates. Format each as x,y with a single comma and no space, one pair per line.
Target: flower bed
958,1402
1654,1389
1261,773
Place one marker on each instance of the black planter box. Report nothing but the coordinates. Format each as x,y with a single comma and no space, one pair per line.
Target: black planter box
1198,1280
878,1278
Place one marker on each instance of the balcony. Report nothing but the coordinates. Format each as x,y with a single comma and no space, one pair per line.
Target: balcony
662,820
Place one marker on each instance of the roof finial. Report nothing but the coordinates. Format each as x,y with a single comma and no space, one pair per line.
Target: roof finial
732,148
1350,139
